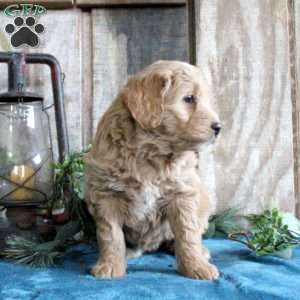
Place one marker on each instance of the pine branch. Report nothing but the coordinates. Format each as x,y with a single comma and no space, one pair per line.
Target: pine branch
35,253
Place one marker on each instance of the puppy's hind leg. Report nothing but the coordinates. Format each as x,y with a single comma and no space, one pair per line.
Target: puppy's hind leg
188,225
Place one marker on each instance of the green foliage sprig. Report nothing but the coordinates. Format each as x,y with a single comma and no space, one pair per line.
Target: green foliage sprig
223,224
268,235
69,189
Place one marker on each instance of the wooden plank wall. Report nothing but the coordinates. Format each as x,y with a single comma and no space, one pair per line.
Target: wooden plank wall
242,48
127,40
295,15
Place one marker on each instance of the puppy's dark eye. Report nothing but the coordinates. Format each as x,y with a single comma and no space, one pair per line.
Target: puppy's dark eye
189,99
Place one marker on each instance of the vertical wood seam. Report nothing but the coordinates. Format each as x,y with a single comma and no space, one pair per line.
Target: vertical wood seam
87,79
294,98
191,22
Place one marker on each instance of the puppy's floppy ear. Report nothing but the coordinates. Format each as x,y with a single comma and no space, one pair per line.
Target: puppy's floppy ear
144,97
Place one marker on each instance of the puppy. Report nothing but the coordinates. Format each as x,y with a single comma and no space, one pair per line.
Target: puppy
142,185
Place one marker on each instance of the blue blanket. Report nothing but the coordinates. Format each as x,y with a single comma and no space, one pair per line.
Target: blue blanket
243,276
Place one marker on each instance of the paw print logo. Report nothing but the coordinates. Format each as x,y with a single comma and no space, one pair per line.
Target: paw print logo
24,32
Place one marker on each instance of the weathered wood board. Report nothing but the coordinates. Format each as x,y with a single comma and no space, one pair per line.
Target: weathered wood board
242,49
126,40
87,79
62,38
296,60
110,3
46,3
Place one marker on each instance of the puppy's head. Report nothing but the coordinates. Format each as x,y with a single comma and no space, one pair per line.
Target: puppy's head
171,98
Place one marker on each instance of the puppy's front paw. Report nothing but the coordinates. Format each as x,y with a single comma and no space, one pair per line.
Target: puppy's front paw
201,270
108,270
205,252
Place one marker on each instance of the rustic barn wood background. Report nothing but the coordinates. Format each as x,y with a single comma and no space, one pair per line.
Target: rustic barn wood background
249,52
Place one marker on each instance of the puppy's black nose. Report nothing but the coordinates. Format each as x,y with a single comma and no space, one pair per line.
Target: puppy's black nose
216,127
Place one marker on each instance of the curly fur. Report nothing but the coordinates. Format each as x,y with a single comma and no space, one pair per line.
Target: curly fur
143,189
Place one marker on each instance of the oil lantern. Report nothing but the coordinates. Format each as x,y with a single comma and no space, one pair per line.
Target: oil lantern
26,157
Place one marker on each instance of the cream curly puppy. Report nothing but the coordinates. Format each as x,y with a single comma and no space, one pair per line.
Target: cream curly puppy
142,185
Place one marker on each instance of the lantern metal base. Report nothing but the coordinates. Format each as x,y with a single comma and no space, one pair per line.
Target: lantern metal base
21,204
25,222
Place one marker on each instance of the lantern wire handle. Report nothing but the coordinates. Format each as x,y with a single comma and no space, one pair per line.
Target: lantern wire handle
23,184
48,107
20,88
63,76
45,108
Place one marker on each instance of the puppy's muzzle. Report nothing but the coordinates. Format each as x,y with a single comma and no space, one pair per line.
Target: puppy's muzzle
216,127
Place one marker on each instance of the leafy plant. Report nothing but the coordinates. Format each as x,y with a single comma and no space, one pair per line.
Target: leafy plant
69,189
223,224
268,234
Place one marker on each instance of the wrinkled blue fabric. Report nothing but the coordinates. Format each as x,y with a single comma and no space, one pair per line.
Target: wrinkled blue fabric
153,276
